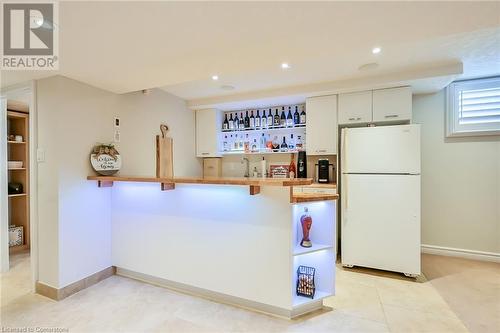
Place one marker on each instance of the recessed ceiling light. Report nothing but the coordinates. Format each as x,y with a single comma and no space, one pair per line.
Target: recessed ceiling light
215,77
285,65
376,50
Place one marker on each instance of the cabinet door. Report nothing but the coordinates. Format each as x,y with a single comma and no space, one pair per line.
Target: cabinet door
321,125
207,133
355,107
392,104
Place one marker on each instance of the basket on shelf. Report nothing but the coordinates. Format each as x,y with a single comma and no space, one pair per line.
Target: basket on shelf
305,281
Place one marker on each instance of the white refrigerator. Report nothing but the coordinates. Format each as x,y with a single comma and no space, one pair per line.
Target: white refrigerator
380,198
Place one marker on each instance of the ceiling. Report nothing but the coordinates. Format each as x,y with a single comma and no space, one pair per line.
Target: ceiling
178,46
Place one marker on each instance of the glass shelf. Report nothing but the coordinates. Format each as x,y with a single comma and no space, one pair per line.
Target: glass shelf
269,129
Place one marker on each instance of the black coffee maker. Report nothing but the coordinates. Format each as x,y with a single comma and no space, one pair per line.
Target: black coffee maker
302,165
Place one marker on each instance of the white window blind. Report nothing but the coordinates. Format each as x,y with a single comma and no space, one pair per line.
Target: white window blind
474,107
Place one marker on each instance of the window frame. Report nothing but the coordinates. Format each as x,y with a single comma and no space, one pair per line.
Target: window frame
453,127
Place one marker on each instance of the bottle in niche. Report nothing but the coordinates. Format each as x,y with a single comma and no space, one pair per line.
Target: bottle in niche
257,120
247,121
254,146
276,119
263,141
306,223
263,120
289,118
235,142
303,117
242,122
283,117
291,168
236,124
291,143
225,124
240,142
225,144
252,120
296,116
231,122
298,143
247,144
269,143
276,144
270,119
284,146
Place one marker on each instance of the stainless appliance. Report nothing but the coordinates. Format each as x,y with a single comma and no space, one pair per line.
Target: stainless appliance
323,170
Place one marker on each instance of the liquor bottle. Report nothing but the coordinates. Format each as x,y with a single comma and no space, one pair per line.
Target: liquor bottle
241,126
270,119
236,121
292,168
306,223
298,143
283,117
284,146
247,144
263,168
231,122
240,142
263,141
254,146
225,124
252,121
296,116
225,144
247,121
289,118
302,165
257,120
291,143
263,120
235,142
303,117
276,119
276,144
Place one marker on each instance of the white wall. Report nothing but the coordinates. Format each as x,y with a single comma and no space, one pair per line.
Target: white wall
141,116
460,183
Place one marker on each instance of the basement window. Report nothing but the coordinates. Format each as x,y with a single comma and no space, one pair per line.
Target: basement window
473,107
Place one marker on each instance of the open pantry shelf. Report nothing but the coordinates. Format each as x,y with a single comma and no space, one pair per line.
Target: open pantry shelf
301,300
257,152
269,129
299,250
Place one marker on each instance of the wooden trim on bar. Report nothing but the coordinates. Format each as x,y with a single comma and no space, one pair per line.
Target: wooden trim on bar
62,293
310,197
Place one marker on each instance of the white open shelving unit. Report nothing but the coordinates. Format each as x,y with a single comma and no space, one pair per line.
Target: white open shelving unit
321,255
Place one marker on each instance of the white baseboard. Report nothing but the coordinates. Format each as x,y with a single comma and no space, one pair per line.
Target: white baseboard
461,253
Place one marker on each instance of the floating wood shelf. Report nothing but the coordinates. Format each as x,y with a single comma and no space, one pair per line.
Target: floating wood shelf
17,195
310,197
169,184
17,142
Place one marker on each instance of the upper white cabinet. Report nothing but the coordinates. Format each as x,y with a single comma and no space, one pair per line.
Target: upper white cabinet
392,104
355,107
321,125
207,133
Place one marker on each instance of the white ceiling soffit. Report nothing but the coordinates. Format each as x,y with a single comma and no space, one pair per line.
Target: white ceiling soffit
421,79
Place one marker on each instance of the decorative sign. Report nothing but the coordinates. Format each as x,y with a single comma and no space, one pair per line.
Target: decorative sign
105,160
279,170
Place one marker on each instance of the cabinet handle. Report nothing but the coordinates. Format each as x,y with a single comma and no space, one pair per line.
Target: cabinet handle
321,150
392,116
205,153
354,119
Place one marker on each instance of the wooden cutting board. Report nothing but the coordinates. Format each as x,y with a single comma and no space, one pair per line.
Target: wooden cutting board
164,154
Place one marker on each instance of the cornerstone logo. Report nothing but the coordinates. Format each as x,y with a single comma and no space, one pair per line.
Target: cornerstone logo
30,36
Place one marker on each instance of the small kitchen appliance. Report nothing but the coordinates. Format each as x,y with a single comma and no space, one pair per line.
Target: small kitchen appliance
323,170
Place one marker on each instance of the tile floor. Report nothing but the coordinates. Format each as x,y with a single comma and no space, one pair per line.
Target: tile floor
366,301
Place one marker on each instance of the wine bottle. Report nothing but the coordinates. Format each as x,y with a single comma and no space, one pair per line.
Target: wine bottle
270,119
252,120
291,143
292,168
283,117
303,117
231,122
263,120
284,146
242,122
236,121
257,120
263,141
276,119
298,143
296,116
247,121
289,118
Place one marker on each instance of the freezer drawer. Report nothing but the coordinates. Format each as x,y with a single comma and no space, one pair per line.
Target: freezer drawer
384,149
381,222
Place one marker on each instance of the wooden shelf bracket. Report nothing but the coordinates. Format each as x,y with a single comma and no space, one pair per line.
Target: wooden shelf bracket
254,189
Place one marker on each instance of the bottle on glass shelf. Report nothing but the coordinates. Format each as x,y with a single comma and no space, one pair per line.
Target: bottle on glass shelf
247,121
257,120
298,144
231,122
241,142
296,116
235,142
276,118
270,120
292,169
252,120
276,144
247,144
225,144
236,121
255,147
241,126
262,144
269,143
303,117
284,146
289,118
263,120
225,123
291,143
282,117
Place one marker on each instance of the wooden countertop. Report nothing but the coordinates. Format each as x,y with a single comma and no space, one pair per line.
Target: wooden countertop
310,197
209,180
